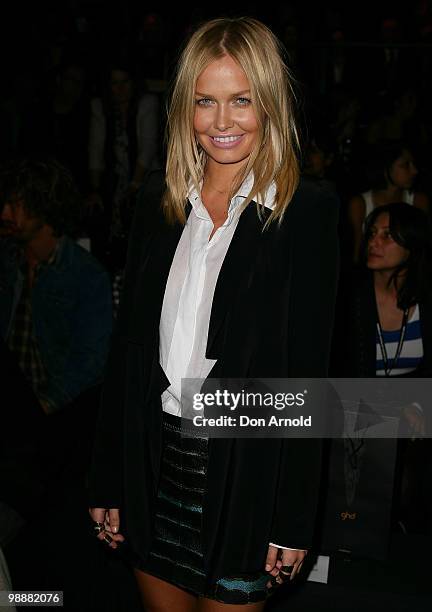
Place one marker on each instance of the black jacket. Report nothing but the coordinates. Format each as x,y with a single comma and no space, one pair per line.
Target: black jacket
271,317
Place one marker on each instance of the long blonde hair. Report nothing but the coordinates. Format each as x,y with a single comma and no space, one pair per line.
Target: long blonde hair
275,156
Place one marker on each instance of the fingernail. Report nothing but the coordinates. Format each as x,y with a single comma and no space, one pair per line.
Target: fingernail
268,567
114,529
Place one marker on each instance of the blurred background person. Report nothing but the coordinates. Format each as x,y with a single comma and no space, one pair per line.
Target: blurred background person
317,161
392,176
123,145
55,307
55,324
57,121
388,332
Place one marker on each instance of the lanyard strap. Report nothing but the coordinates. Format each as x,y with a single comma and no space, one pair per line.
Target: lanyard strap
387,368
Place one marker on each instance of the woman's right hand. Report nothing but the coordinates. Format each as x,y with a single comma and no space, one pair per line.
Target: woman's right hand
110,519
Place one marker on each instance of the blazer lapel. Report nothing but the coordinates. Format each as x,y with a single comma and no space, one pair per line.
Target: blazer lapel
237,269
150,285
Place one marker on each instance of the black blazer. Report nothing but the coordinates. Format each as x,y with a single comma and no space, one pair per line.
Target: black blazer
271,317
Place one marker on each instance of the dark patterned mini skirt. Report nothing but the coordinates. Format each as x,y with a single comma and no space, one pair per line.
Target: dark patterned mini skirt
176,555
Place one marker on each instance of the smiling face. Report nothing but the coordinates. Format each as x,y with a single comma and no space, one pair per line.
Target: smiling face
225,124
383,252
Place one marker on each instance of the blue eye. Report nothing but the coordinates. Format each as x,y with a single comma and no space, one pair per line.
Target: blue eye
243,101
203,102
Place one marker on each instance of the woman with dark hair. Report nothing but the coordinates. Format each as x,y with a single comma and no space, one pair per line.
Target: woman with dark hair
392,315
392,175
390,321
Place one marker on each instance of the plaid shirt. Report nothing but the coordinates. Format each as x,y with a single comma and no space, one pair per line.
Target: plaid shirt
21,340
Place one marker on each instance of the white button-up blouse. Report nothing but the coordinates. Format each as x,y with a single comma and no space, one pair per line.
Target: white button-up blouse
188,298
189,293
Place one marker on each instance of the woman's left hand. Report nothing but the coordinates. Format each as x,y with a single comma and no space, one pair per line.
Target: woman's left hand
283,564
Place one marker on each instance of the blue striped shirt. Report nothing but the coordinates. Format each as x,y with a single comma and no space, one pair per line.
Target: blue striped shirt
412,349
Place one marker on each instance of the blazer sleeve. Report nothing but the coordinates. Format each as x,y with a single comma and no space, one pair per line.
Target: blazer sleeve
315,273
106,474
314,276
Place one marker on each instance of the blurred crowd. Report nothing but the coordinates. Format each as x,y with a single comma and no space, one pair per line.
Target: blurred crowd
82,120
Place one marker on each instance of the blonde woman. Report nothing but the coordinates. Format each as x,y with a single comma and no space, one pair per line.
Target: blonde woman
231,273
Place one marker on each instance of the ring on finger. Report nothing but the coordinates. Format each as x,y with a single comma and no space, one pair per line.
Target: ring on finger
286,572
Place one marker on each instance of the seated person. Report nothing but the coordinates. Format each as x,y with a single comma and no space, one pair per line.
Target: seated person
388,333
55,303
392,179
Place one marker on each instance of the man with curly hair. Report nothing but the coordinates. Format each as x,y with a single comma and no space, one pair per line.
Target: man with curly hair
55,298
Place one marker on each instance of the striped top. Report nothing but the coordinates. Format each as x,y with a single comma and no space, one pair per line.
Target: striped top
412,349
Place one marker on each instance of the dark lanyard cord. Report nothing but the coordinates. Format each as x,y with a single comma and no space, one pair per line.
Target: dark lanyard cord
388,369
